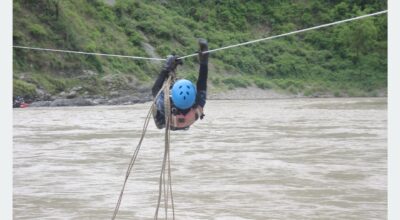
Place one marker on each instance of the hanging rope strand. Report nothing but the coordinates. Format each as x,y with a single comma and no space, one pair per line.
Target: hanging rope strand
170,182
132,162
287,34
166,186
135,154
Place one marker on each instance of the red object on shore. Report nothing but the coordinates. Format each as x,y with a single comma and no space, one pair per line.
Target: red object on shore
24,105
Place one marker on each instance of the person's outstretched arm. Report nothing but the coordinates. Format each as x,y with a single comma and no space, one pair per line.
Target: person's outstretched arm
203,73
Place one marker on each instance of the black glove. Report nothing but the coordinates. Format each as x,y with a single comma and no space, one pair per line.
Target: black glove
203,45
172,62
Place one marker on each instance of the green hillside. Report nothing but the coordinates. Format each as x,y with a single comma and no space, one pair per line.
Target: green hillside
345,60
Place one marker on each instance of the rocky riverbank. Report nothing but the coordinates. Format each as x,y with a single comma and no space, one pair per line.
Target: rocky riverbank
145,96
124,98
94,100
252,93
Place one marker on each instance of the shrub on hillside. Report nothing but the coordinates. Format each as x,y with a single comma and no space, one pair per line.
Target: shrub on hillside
236,82
37,30
264,84
24,89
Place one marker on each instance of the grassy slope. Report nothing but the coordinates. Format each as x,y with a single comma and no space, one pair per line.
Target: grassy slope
348,59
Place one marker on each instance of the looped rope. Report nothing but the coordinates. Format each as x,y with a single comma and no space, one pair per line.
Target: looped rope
165,184
132,162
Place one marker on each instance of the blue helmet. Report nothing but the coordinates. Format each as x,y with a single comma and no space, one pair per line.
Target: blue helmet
183,94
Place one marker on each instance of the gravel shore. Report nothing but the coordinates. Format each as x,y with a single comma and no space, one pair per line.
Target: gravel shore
240,93
251,93
248,93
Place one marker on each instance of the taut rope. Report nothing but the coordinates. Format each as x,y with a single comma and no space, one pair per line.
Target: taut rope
88,53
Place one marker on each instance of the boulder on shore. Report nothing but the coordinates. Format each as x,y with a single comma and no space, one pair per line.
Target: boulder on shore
71,102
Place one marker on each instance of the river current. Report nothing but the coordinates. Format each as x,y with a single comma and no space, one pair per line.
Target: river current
248,159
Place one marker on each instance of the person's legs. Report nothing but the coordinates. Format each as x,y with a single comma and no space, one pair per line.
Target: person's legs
159,82
203,73
202,80
158,113
160,103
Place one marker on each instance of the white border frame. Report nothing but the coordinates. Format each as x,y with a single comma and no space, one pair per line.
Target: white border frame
6,109
393,110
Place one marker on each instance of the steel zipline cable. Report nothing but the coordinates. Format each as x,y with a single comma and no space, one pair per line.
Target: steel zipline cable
209,51
88,53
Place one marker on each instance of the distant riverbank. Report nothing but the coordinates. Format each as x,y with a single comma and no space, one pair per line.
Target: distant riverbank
250,93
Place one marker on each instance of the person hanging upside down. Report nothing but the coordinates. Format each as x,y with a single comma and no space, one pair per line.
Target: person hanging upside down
187,100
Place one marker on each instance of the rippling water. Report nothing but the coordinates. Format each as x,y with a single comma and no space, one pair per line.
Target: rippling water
270,159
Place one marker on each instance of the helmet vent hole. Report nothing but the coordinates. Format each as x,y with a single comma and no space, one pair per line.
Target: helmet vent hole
180,87
181,93
188,87
184,97
187,93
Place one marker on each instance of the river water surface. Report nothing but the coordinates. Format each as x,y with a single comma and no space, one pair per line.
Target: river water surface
269,159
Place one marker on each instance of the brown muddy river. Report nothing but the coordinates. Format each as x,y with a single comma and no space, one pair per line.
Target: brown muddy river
268,159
